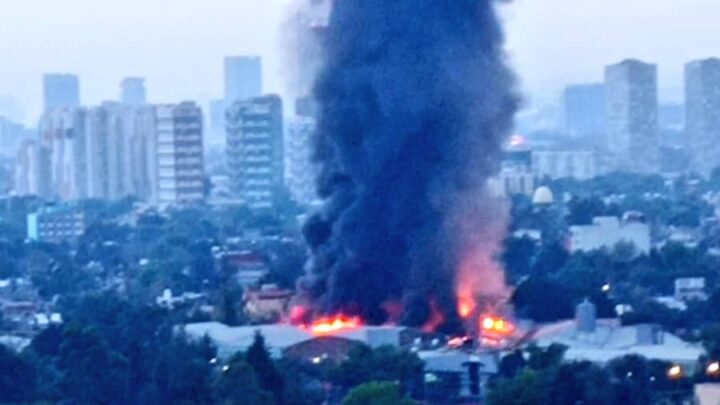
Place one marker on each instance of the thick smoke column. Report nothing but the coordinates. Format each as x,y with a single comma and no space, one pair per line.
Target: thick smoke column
415,102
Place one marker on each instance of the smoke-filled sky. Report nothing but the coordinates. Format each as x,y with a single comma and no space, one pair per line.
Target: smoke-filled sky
179,44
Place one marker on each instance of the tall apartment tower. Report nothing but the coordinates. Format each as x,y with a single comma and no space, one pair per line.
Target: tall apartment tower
255,150
27,170
702,103
62,140
132,91
180,167
60,90
243,78
584,110
632,116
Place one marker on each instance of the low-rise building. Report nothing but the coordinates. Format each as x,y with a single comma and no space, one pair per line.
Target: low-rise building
294,341
602,340
267,303
690,289
56,223
248,267
607,233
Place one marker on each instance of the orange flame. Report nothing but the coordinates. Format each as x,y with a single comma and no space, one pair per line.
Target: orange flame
466,305
328,325
496,326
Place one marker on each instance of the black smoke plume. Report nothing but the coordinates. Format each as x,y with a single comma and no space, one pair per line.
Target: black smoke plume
415,103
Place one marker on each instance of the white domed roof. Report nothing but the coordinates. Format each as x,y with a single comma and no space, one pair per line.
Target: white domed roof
543,196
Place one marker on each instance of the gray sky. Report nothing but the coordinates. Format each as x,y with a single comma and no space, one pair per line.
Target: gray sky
179,45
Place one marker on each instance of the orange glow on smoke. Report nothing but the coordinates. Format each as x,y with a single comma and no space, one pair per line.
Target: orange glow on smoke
496,326
297,315
328,325
436,318
466,305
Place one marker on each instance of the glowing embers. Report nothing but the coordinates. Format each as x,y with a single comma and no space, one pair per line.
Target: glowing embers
496,326
333,324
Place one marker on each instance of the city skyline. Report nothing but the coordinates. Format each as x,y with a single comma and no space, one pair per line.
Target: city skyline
40,41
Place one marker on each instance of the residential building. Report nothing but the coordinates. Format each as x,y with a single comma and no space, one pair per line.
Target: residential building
607,233
132,91
255,151
96,146
27,170
62,138
180,163
12,135
632,116
56,223
702,101
301,172
243,78
60,90
216,122
585,110
690,289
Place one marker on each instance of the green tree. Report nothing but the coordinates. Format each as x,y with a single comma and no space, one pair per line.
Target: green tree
267,374
386,363
528,388
236,384
581,383
377,393
711,340
17,379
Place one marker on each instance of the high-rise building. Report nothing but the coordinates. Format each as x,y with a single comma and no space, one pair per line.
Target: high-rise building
27,170
300,172
62,138
60,90
180,166
114,151
243,78
132,91
255,150
585,110
144,157
96,146
632,116
702,101
216,123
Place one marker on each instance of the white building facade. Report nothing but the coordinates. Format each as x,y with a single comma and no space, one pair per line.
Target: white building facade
255,151
607,233
632,116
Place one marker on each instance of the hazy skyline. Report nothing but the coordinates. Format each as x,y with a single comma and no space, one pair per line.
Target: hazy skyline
179,46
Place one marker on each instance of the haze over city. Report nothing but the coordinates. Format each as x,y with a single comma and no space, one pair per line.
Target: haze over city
360,202
551,43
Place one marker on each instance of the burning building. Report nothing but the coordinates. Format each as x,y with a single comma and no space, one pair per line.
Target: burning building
415,102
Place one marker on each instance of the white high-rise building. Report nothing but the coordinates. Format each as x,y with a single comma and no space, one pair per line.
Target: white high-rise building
300,172
62,139
702,103
144,158
132,91
243,78
153,153
28,170
96,146
180,166
255,151
632,116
